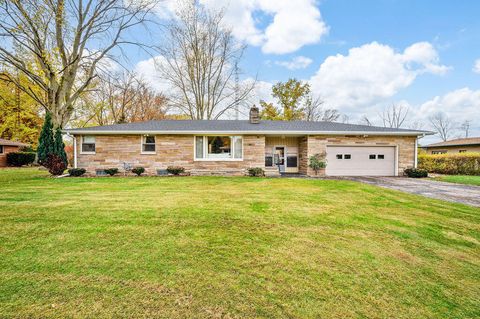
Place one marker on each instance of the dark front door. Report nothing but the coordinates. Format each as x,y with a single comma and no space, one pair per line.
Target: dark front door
279,158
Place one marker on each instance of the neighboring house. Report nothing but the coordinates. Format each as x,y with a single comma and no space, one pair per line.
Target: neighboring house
6,147
459,145
230,147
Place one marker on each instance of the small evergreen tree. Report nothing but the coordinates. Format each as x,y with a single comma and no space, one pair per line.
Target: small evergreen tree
45,142
59,146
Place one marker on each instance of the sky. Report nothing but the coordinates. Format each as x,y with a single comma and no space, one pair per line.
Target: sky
360,56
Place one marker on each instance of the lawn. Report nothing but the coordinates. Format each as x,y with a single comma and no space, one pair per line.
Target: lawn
461,179
213,247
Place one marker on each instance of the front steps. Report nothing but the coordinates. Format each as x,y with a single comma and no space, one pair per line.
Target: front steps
272,172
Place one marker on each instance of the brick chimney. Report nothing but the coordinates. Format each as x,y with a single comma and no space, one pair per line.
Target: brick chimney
254,115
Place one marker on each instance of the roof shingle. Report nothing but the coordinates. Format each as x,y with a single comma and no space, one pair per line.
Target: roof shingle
244,126
457,142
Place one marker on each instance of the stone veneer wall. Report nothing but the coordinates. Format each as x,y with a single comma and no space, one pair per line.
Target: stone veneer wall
178,150
318,144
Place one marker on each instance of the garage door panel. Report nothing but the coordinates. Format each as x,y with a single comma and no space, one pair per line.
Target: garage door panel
360,161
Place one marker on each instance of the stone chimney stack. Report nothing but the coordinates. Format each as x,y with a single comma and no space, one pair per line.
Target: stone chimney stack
254,115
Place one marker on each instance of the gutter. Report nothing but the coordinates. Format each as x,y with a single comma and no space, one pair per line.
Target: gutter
195,132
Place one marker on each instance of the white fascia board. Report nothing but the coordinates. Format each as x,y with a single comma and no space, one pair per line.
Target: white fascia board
286,133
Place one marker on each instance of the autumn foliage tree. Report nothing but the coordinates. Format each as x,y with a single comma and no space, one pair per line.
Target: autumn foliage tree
296,102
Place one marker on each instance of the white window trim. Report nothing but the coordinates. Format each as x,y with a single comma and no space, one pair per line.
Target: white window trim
81,146
141,145
205,147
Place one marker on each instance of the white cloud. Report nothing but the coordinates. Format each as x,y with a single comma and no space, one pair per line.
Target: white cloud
293,24
476,67
298,62
461,105
148,71
372,73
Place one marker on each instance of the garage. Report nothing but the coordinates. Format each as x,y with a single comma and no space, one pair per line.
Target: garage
361,161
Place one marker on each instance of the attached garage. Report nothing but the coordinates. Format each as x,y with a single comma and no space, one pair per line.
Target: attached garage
361,160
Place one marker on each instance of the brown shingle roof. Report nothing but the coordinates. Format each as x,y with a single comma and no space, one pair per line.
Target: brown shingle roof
457,142
11,143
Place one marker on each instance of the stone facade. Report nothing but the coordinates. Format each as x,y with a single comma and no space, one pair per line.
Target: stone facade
178,150
171,150
312,145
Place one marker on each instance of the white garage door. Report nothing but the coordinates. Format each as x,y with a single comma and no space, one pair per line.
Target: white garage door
360,161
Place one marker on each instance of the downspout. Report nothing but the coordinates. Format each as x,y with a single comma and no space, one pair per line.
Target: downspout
416,153
74,150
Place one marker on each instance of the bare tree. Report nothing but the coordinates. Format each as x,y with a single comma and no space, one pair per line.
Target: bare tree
199,63
121,98
465,127
314,110
442,124
64,44
394,116
366,121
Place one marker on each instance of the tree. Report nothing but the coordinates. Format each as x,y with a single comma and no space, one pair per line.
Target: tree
20,118
120,98
199,62
465,127
442,124
394,116
366,121
269,112
45,142
55,43
59,146
314,111
291,97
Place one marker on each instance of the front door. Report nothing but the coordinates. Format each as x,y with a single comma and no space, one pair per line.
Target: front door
279,158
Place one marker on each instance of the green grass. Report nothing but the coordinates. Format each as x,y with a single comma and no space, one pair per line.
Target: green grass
461,179
213,247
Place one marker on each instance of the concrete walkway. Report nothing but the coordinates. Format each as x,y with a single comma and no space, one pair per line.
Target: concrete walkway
458,193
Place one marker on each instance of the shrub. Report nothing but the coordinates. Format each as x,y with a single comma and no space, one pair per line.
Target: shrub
451,164
416,172
76,171
111,171
256,171
55,164
20,158
317,162
175,170
138,170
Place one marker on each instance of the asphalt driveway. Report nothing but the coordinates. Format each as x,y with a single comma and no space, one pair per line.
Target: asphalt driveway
465,194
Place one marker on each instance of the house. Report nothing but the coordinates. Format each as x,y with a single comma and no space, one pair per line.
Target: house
230,147
6,147
459,145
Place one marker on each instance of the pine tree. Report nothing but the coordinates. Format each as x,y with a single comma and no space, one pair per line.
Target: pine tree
59,146
45,142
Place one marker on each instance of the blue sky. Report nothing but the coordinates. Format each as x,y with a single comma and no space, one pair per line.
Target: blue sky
361,56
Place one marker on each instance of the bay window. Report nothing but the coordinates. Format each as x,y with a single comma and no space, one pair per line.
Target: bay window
218,147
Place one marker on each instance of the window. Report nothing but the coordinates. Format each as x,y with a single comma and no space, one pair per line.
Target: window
1,149
339,156
439,152
381,156
372,156
88,144
148,144
347,156
462,151
218,147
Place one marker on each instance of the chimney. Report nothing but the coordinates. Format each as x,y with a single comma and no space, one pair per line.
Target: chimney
254,115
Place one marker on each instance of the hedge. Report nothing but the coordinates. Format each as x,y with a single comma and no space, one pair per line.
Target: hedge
20,158
451,164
